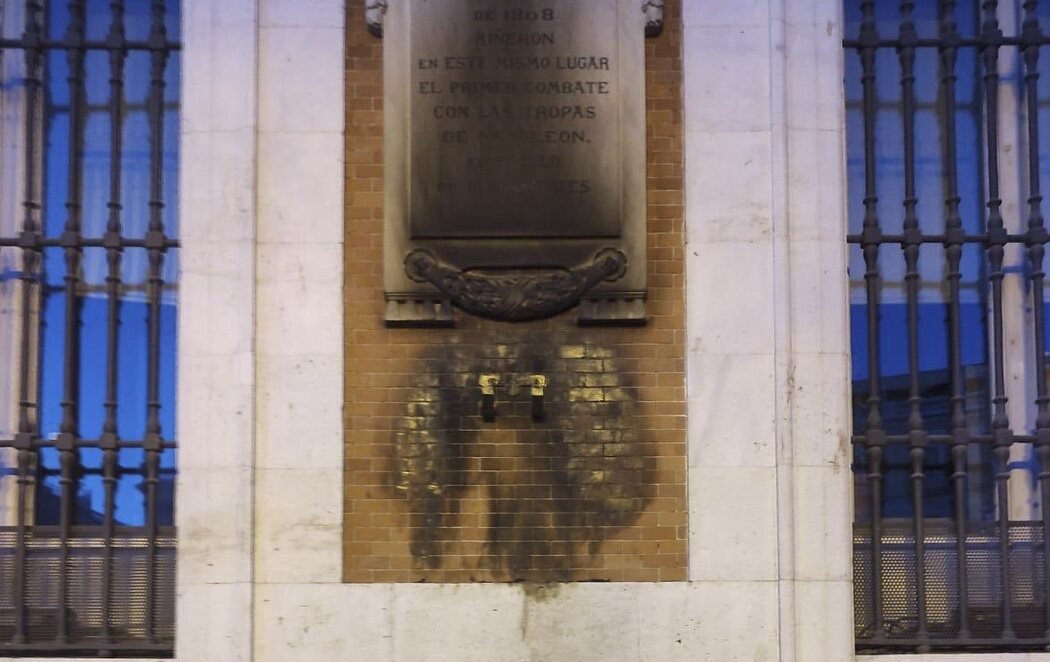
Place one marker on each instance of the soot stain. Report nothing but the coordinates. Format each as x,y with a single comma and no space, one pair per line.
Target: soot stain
520,499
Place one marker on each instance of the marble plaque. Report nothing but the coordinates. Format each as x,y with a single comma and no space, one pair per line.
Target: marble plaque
514,134
515,117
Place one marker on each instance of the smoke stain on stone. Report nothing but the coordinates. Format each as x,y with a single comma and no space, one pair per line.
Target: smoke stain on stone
540,592
520,500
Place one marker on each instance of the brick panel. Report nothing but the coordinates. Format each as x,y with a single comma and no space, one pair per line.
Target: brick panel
595,492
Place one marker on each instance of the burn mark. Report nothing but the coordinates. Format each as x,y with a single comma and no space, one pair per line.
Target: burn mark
520,500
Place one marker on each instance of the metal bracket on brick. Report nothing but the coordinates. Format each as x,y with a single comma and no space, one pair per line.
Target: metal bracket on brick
488,384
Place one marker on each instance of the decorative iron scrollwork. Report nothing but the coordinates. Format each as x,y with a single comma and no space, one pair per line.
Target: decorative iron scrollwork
654,17
515,296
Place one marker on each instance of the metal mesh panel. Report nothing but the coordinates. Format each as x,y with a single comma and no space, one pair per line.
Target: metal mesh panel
128,600
984,595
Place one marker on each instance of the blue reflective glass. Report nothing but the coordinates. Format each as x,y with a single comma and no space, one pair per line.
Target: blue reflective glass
934,367
92,304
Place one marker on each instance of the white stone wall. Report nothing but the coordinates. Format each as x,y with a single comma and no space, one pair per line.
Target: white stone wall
217,330
260,492
768,360
959,657
767,366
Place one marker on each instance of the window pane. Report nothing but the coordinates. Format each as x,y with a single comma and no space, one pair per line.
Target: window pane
92,304
933,299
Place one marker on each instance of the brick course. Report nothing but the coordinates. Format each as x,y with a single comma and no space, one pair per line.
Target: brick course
595,492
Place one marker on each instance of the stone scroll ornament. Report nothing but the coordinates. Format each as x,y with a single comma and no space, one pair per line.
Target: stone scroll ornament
517,296
653,10
654,17
374,12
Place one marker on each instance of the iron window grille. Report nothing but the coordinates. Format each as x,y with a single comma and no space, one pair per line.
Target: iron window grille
88,267
951,408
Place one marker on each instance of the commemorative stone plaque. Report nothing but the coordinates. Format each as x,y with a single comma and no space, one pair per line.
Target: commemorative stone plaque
514,121
515,158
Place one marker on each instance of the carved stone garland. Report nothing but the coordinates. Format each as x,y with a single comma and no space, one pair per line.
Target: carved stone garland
517,296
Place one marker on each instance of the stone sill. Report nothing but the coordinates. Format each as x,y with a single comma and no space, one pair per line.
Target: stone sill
959,657
80,659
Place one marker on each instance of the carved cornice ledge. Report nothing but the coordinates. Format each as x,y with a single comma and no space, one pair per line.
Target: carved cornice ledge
375,10
654,17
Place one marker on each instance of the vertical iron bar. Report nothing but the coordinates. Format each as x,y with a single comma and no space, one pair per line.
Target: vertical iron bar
155,244
991,40
115,41
871,240
953,243
72,247
31,247
912,239
1037,236
30,243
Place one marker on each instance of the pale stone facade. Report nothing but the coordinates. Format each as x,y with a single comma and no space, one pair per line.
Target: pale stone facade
261,368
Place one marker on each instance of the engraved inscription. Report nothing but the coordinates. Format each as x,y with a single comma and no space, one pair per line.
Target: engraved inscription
515,119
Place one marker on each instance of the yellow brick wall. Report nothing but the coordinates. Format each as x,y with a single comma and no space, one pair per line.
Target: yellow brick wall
595,492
